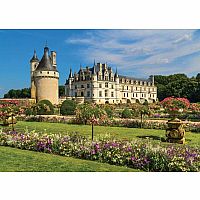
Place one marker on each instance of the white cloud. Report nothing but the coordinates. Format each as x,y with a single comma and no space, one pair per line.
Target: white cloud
131,48
183,38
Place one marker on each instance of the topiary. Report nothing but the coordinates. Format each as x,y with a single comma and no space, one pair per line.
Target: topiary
126,113
45,107
68,107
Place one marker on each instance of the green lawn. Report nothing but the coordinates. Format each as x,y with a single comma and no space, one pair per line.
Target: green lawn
16,160
21,160
118,132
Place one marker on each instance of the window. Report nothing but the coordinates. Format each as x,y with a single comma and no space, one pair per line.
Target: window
142,95
88,85
124,94
40,72
82,86
106,93
127,94
100,85
136,94
136,88
133,94
106,78
127,87
82,94
106,85
112,94
75,86
88,93
112,86
100,93
75,94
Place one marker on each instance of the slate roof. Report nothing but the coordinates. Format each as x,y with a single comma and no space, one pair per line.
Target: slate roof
45,63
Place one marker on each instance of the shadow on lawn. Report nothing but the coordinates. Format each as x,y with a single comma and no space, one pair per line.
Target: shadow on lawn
153,137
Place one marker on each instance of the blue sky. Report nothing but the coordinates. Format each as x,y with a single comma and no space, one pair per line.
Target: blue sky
137,53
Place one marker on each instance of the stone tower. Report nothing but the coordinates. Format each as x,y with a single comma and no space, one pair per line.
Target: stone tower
33,64
44,77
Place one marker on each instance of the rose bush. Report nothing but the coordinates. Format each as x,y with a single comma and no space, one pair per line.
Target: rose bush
175,105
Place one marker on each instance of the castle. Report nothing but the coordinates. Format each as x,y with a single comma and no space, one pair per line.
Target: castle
97,84
44,77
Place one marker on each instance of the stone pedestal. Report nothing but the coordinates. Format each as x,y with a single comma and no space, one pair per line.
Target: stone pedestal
175,132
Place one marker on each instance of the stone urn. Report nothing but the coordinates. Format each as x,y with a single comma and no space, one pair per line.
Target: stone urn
175,132
9,120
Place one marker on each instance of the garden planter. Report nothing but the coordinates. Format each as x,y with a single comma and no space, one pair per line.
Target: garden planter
175,132
9,120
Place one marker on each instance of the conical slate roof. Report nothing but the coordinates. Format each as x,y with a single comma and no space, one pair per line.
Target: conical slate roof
34,58
45,63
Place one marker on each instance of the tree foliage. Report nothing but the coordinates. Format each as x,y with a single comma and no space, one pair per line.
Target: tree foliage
26,92
23,93
178,85
68,107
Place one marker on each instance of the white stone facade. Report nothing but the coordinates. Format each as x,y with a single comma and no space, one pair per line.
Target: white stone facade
100,85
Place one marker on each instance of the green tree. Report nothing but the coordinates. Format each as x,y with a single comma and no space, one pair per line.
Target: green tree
23,93
61,90
68,107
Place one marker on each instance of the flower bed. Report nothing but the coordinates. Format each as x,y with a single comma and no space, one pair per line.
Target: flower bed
135,154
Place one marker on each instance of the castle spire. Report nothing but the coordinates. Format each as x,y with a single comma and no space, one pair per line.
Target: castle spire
34,58
94,62
70,73
116,73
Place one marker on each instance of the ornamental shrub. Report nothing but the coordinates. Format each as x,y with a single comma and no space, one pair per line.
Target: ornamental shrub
175,105
68,107
126,113
109,111
45,107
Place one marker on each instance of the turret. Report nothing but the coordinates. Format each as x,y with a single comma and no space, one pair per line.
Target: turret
46,78
53,58
116,77
94,74
33,65
34,62
152,79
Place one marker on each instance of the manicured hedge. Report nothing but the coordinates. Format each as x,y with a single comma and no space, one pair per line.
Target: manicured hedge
68,107
45,107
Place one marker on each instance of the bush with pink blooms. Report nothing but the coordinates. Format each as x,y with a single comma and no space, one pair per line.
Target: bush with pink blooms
175,105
